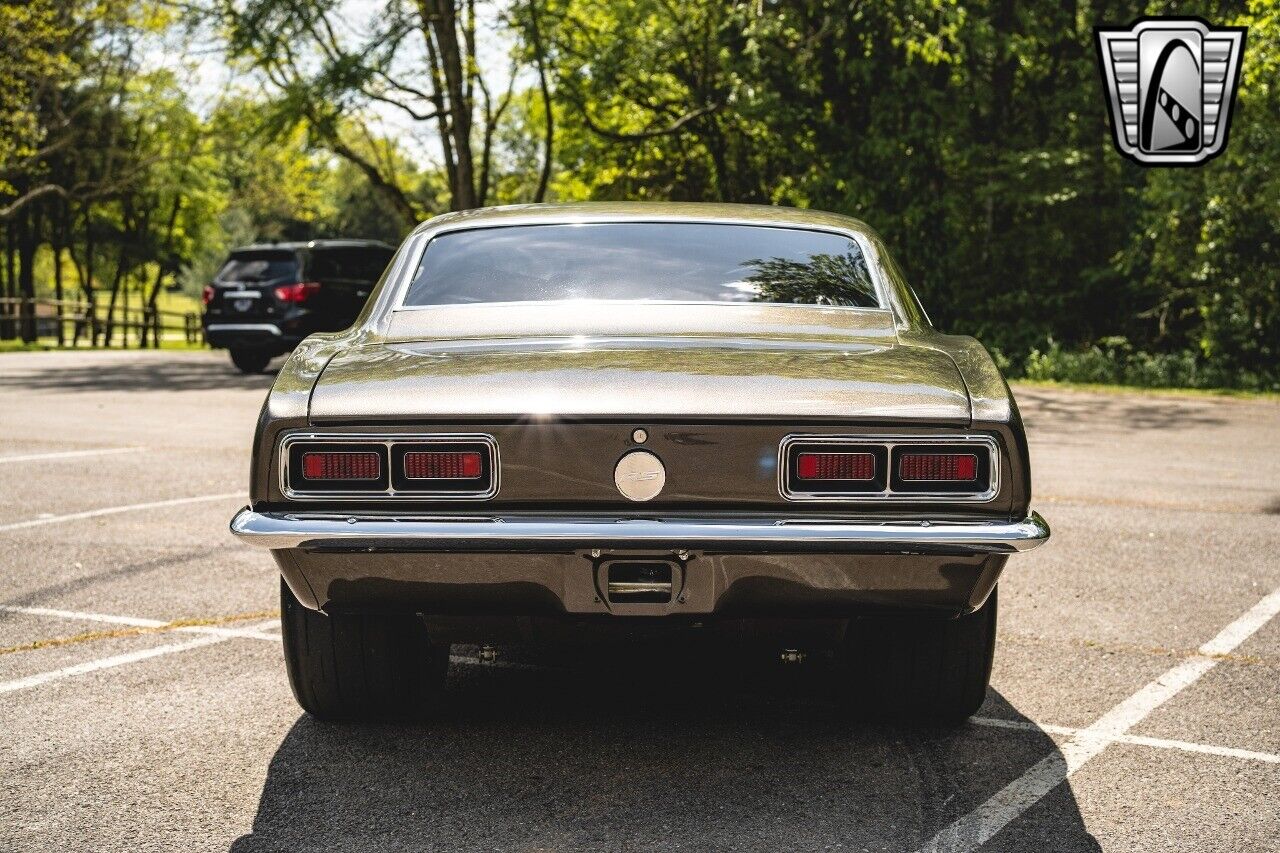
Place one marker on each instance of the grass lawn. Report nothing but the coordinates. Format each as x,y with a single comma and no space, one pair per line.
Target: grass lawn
51,345
1273,396
174,307
182,303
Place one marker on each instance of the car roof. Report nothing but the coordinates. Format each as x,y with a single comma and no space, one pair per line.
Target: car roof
315,244
665,211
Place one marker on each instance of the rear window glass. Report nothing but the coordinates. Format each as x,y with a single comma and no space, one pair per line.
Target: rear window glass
680,262
357,264
259,266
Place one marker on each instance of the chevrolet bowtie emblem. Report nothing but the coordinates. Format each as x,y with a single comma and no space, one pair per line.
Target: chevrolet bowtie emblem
1171,83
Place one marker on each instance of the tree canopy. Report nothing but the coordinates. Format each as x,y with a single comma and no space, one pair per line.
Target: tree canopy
972,135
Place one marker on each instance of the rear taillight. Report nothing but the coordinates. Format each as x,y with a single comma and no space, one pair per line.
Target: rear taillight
835,466
331,467
207,295
963,469
457,467
890,468
297,293
938,467
432,466
818,467
451,465
341,466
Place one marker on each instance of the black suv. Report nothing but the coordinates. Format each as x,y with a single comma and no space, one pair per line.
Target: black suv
267,298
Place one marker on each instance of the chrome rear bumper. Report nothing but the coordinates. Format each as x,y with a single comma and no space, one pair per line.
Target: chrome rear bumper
526,534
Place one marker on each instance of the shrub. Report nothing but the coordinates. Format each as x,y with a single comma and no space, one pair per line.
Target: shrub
1114,361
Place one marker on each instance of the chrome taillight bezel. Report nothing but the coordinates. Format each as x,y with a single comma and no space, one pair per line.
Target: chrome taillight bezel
886,491
392,447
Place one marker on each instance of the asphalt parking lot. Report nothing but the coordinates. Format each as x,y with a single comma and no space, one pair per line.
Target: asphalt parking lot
1135,703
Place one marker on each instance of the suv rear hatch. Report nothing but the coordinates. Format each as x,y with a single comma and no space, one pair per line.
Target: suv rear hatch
242,289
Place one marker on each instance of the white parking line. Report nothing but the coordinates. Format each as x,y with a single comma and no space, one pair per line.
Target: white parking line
105,663
112,510
133,621
978,826
138,622
1137,740
1224,643
131,657
67,454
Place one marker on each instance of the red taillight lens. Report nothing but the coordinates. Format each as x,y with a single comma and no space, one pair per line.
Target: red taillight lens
341,466
437,465
938,467
207,296
297,293
835,466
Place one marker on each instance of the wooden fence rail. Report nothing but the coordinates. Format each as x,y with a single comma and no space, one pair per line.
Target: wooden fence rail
78,322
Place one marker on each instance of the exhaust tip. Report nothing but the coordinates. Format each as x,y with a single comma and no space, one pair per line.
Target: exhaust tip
639,582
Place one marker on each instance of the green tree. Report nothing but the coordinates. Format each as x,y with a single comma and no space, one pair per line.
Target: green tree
423,59
1207,253
31,57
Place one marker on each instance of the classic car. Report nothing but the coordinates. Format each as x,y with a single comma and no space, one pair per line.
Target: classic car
266,298
602,416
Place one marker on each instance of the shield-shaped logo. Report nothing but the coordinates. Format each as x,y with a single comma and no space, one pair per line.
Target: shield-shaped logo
1171,83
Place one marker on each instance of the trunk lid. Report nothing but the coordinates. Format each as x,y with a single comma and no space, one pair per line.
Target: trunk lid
657,362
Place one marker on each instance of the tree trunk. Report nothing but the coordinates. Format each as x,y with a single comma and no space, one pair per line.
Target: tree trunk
441,17
124,312
149,309
149,312
90,293
116,284
26,274
57,235
10,284
442,110
549,121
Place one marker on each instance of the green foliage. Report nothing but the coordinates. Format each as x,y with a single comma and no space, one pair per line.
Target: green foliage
1114,361
235,228
821,280
973,135
30,53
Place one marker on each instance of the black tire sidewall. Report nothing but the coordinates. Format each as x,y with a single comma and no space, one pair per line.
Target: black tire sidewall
250,359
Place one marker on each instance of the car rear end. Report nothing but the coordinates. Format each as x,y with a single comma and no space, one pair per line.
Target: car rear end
265,300
254,300
492,470
410,484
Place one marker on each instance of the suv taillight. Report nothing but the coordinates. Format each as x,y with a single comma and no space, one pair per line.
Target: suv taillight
297,293
207,295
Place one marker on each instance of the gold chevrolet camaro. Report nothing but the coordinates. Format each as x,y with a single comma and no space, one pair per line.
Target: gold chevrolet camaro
685,417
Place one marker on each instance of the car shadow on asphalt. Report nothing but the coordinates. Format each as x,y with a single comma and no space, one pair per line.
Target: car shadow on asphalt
179,373
624,751
1058,412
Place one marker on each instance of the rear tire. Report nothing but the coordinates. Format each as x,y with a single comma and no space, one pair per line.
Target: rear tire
250,359
935,670
360,667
